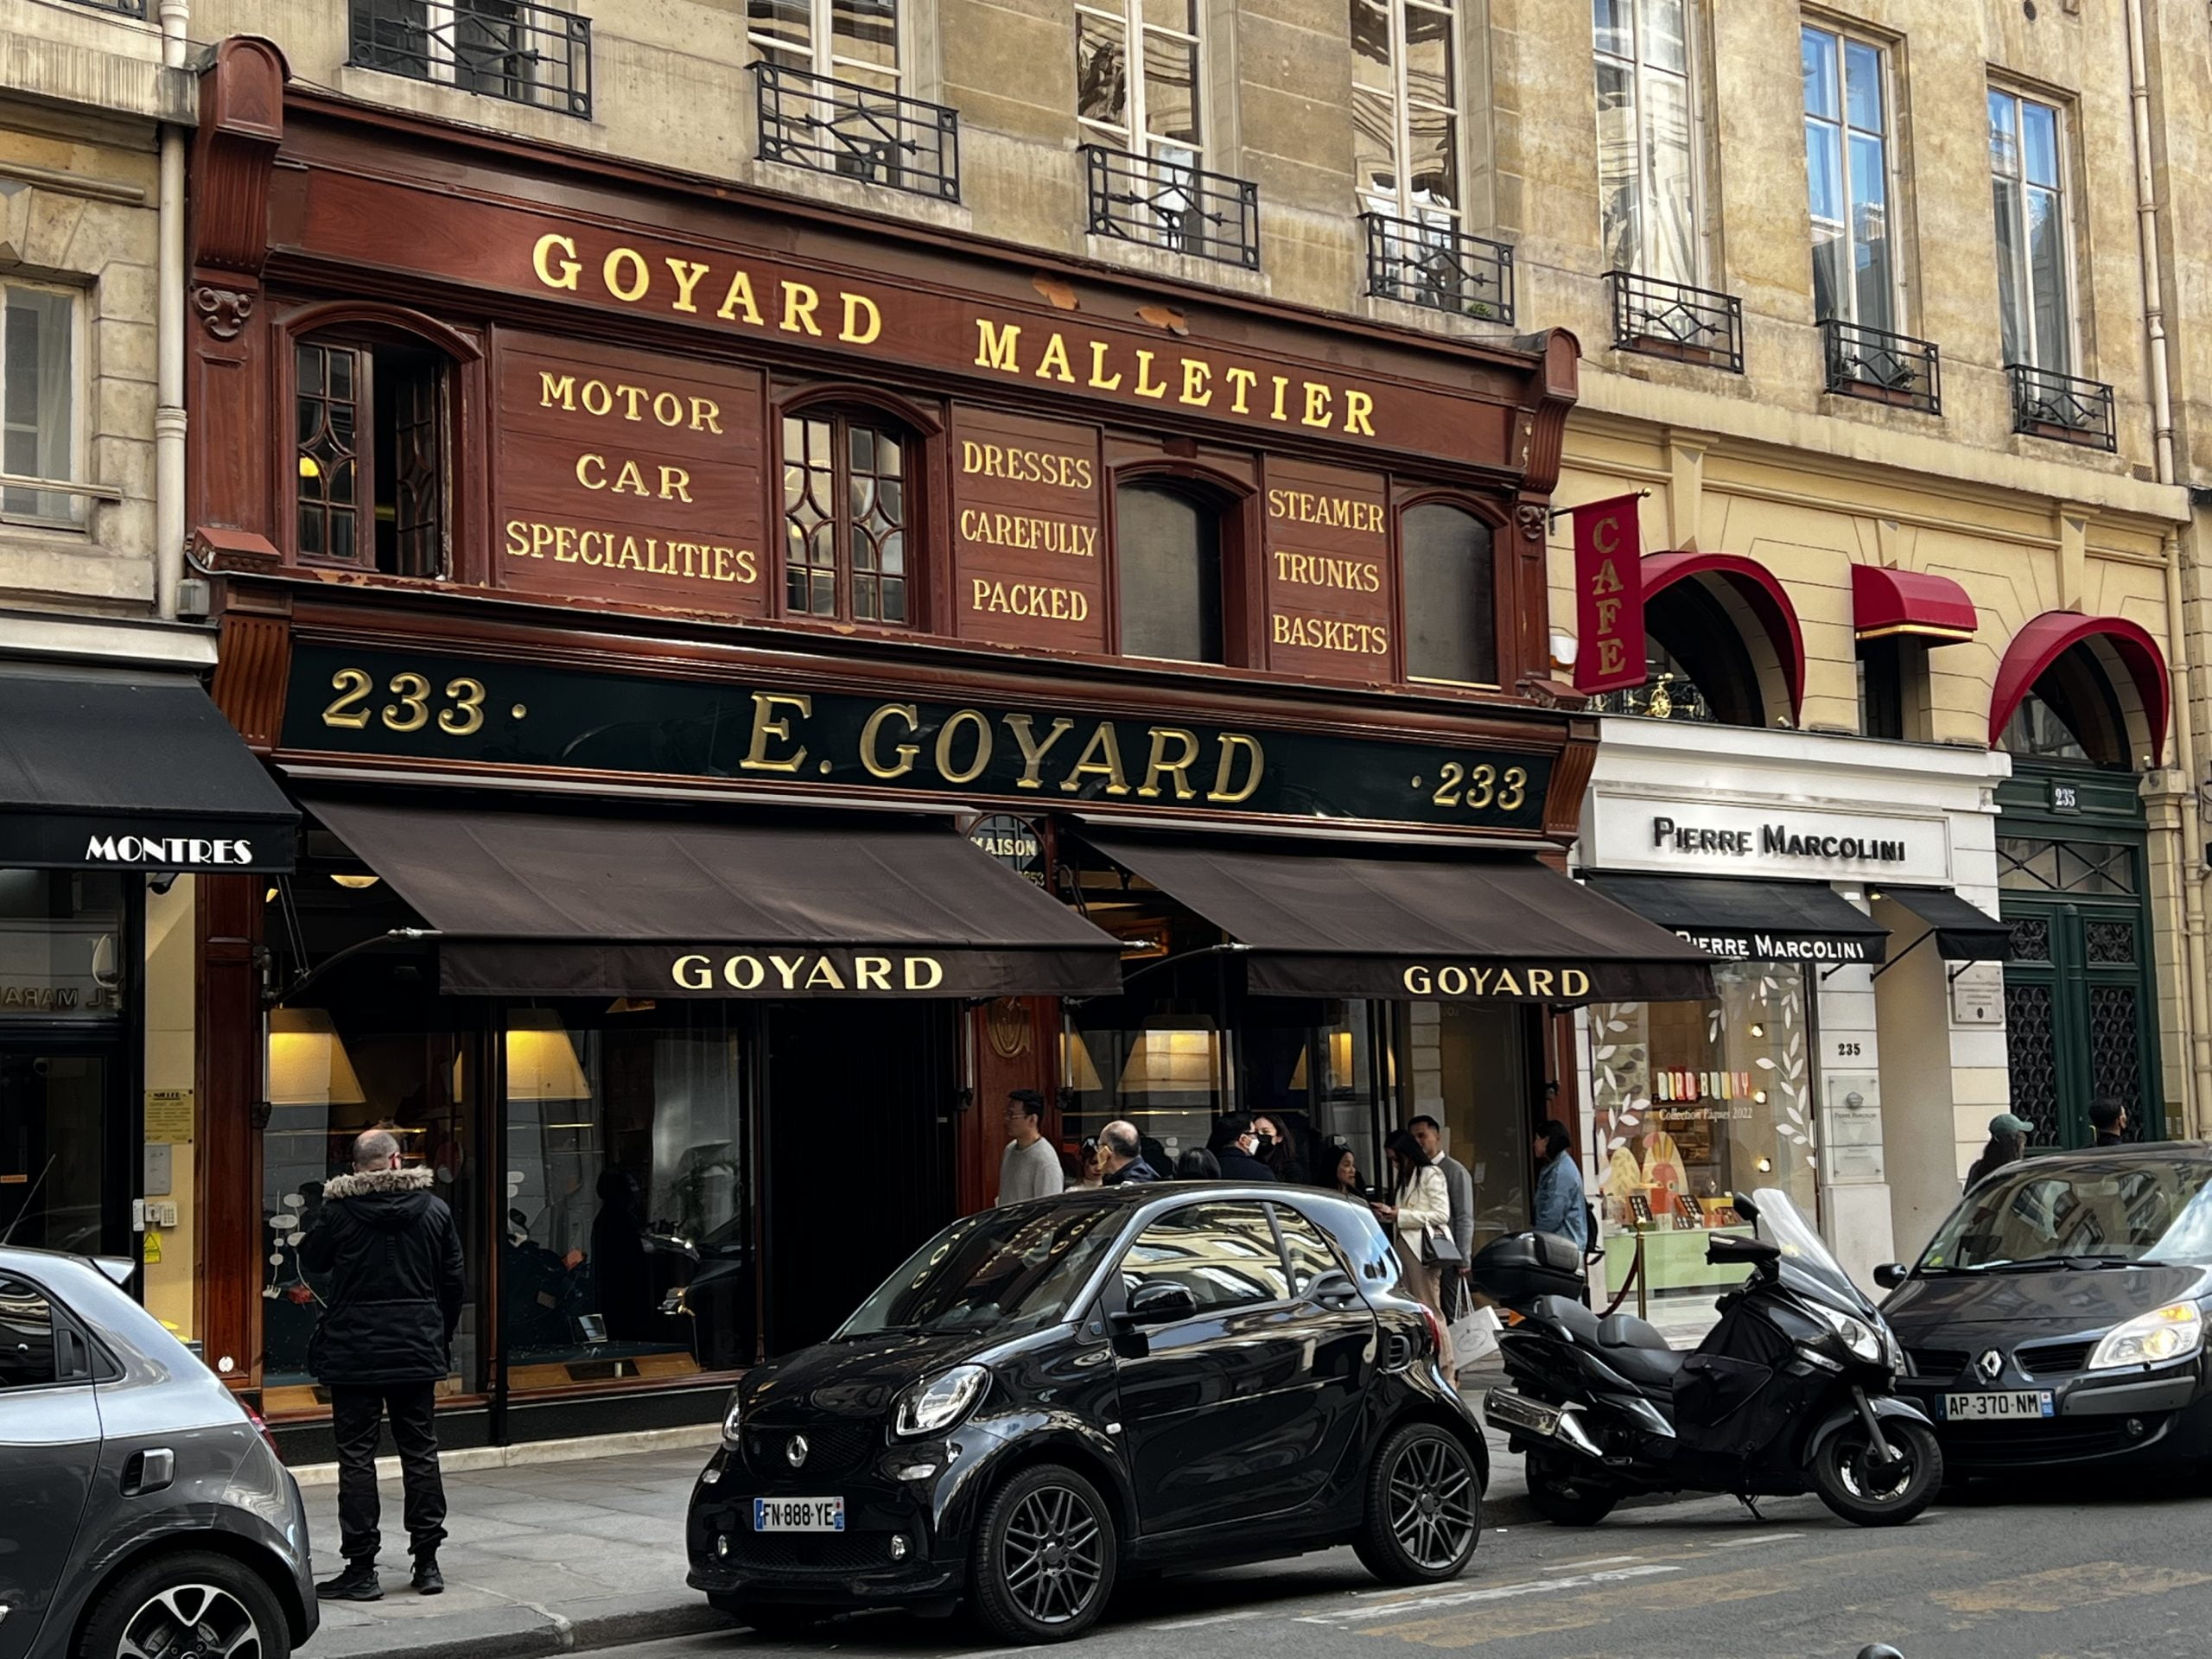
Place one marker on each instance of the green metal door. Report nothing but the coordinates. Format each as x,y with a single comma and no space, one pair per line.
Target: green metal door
2080,1001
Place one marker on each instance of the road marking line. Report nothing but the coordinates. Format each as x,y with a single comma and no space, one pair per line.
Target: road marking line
1596,1560
1496,1593
1216,1619
1749,1543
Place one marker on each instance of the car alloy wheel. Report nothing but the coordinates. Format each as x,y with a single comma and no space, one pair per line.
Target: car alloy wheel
1051,1558
1432,1502
191,1621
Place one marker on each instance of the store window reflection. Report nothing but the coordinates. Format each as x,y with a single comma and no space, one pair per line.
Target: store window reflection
626,1251
1166,1075
332,1073
1470,1073
1694,1102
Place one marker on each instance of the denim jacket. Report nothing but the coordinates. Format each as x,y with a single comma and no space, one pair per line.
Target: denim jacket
1560,1201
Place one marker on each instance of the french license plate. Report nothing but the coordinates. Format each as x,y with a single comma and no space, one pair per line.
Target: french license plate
798,1515
1986,1407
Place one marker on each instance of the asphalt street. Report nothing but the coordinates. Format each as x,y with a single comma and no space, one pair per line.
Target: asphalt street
2080,1570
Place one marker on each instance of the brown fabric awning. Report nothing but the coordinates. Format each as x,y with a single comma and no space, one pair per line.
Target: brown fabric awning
529,904
1385,923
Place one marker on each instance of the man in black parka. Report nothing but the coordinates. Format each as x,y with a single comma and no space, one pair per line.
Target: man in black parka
394,1254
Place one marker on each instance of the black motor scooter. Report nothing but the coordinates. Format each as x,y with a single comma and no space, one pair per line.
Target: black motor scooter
1790,1392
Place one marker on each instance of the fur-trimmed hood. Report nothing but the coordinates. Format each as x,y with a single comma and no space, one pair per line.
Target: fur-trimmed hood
367,1182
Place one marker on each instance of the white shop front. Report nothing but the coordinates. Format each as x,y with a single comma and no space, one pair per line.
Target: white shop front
1855,1039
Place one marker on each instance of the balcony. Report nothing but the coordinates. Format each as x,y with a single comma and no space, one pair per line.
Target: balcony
858,132
2063,407
1690,325
1438,267
1173,204
1888,368
508,49
120,7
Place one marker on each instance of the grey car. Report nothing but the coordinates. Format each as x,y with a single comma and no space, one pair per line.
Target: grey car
142,1511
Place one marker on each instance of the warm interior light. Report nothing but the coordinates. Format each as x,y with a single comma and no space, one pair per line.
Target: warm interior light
631,1005
1077,1070
1765,1166
1757,1030
1339,1063
308,1063
269,897
356,883
540,1060
308,469
1173,1054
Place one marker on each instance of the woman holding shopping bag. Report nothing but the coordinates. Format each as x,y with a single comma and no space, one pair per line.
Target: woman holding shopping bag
1418,1217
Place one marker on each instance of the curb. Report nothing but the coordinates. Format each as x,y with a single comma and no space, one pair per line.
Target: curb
496,1635
469,1459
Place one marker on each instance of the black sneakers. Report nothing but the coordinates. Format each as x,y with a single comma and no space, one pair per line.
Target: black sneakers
427,1580
357,1583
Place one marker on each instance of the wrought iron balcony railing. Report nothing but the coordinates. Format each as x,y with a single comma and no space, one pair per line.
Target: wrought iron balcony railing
2061,406
512,49
857,132
120,7
1664,319
1438,267
1173,205
1889,368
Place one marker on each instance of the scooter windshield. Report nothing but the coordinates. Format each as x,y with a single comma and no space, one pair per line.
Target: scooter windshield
1806,1265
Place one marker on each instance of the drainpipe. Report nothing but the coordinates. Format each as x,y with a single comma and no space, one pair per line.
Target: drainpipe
2189,863
169,342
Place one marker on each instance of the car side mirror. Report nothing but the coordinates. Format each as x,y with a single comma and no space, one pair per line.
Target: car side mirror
1160,1303
1891,1275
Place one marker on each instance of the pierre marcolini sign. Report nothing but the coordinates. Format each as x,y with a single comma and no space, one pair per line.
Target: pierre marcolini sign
1774,841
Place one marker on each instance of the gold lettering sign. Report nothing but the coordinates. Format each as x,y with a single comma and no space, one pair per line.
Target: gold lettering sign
804,973
1453,980
1330,601
1028,521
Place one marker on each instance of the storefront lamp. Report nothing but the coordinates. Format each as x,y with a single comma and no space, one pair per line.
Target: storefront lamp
308,1063
356,883
540,1060
1172,1055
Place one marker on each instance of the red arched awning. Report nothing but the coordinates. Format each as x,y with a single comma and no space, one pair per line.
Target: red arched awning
2054,633
1886,603
1762,595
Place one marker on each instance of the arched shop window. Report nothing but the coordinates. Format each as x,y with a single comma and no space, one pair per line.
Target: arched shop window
1697,666
2070,714
1451,630
371,424
1167,552
846,511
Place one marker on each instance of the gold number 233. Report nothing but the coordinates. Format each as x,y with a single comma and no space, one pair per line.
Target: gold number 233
349,710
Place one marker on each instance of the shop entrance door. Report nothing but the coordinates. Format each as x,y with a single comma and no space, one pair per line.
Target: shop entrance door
860,1152
63,1185
2080,1005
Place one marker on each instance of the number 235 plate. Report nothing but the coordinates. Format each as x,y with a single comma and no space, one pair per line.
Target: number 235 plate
798,1515
1983,1407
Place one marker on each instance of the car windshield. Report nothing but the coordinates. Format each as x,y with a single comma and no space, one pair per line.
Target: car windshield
1805,1258
1003,1271
2078,1214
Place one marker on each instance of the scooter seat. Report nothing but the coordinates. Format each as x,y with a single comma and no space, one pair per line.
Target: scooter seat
1626,1331
1577,1321
1651,1367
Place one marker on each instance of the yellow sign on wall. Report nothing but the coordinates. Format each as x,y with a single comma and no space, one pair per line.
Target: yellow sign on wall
168,1115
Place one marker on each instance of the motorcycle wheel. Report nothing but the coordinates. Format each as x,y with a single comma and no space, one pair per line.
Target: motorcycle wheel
1564,1497
1867,1495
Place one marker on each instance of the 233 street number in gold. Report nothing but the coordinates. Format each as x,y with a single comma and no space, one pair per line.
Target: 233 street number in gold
1481,788
461,713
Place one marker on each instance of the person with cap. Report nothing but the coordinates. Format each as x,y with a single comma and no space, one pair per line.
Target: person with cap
1030,1166
2008,1141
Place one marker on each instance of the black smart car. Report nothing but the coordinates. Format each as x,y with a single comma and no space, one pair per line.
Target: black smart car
2059,1315
1130,1378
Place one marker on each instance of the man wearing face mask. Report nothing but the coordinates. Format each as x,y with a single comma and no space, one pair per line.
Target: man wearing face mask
1237,1147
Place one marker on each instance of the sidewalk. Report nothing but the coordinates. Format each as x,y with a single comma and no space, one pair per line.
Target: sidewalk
549,1557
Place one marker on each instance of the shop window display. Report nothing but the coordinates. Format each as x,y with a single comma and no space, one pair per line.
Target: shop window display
1470,1073
1692,1102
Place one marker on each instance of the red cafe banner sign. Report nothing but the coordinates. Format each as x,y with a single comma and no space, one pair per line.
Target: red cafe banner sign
1608,595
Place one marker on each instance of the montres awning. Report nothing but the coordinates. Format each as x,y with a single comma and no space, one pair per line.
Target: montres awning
1383,922
1752,921
1964,933
529,904
105,771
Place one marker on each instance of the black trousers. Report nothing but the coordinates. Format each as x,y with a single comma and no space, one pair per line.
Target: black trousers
356,1419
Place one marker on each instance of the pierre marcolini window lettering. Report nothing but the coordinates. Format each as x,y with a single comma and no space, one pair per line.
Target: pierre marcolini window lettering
1773,841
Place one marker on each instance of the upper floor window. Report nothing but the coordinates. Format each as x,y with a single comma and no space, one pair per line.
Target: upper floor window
1167,549
845,516
38,403
1847,172
1136,73
846,40
1405,101
524,51
2027,161
1647,144
370,426
1451,629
